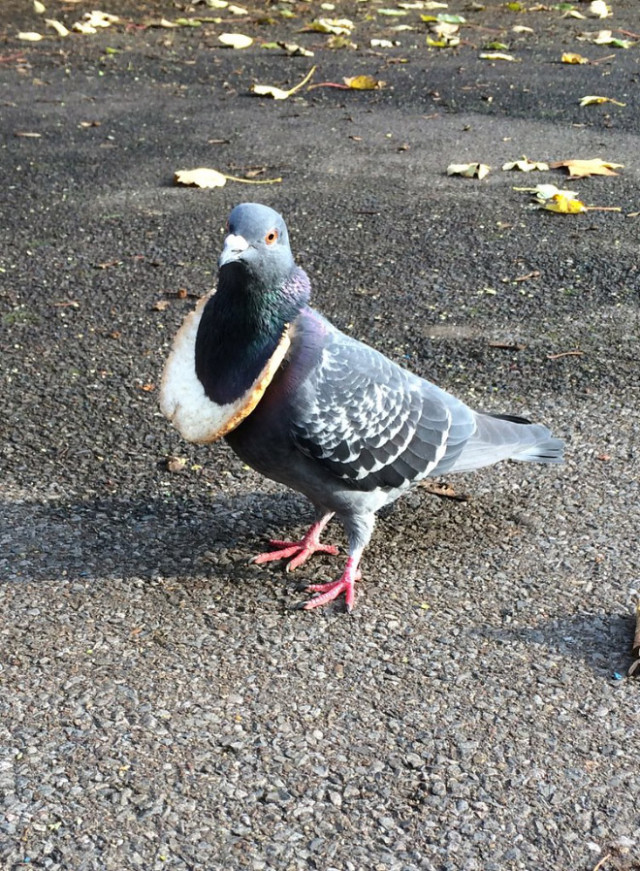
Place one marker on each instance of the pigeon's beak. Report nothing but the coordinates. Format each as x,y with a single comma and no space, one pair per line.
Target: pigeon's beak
234,248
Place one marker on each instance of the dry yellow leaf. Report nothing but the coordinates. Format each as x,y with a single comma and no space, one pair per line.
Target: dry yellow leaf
581,168
570,57
497,55
30,36
563,205
593,99
279,93
362,83
39,7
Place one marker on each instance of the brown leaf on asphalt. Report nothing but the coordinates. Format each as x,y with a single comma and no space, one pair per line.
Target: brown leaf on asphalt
176,464
581,168
444,491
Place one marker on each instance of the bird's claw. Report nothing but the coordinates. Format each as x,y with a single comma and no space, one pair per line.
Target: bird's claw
300,551
328,592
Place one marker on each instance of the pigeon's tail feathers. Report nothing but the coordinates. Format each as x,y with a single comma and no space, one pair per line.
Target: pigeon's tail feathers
506,437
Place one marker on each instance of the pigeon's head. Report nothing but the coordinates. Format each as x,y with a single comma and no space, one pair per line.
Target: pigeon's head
258,244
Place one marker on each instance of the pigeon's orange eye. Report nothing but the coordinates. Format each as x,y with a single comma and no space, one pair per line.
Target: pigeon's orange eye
271,237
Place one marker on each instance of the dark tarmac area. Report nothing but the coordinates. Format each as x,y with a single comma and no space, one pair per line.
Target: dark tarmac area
163,704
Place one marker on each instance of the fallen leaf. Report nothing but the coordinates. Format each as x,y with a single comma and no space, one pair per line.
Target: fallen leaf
605,37
525,165
445,491
522,28
595,100
203,177
382,43
599,9
338,42
468,170
90,124
60,29
583,168
294,50
97,19
278,93
237,10
443,42
27,134
148,388
30,36
362,83
498,55
570,57
235,40
39,7
337,26
176,464
564,205
160,305
392,12
545,192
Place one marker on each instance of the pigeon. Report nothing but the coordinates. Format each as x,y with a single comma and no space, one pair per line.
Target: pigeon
314,409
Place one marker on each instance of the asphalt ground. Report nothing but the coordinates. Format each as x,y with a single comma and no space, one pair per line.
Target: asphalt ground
163,703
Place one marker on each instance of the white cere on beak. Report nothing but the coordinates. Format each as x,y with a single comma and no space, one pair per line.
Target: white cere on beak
233,248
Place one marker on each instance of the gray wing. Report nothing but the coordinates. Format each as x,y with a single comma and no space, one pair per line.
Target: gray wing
372,423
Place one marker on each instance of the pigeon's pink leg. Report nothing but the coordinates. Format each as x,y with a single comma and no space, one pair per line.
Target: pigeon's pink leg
345,584
299,550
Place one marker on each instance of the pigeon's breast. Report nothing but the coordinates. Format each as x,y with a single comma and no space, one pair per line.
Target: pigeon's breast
183,399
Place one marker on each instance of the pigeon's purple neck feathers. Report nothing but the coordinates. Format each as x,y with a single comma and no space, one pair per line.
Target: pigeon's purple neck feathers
241,327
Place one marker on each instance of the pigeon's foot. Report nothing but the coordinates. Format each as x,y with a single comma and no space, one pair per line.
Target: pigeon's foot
299,550
328,592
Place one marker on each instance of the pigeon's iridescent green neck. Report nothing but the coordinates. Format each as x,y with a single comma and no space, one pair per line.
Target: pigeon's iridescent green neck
241,327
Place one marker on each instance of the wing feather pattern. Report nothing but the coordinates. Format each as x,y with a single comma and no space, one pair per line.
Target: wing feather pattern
372,423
